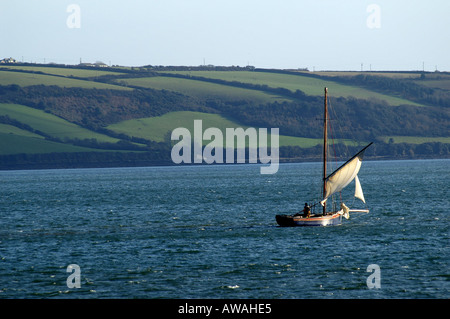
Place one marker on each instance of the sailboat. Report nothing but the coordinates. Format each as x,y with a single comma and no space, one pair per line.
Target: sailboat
332,183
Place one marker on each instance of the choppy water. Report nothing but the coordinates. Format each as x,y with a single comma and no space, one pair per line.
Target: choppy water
210,232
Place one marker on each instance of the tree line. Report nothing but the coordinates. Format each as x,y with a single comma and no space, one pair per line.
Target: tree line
161,156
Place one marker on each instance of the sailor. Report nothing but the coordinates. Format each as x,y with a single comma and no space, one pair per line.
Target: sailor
306,211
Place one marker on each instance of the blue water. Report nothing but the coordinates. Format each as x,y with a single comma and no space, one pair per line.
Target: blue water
210,232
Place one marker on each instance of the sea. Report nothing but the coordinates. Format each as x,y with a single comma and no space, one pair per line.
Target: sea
209,232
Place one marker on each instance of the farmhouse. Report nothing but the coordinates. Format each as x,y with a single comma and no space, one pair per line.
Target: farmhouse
101,64
8,61
98,64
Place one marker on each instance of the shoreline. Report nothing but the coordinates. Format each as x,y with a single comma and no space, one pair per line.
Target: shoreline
87,165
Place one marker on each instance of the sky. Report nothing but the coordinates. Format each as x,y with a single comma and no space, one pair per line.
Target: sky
284,34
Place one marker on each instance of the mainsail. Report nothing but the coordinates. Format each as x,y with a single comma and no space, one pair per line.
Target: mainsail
341,177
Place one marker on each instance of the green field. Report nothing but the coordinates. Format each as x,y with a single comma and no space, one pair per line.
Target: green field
159,128
439,84
15,140
394,75
202,89
307,84
68,72
51,124
9,129
27,79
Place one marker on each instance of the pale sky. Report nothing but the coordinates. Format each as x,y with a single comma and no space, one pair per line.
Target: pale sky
316,34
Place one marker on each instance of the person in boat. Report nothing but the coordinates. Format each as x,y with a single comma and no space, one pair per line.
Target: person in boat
306,211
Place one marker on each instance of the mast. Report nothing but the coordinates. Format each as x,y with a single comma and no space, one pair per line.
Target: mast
325,136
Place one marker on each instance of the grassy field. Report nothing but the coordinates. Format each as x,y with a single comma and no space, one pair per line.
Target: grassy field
16,140
202,89
159,128
394,75
27,79
309,85
50,124
9,129
68,72
438,84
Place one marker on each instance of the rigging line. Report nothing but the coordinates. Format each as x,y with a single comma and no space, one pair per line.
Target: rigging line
343,147
351,205
331,129
358,214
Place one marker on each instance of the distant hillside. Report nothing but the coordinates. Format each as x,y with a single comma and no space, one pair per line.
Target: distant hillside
67,116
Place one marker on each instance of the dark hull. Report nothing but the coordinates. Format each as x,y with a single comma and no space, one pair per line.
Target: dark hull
294,221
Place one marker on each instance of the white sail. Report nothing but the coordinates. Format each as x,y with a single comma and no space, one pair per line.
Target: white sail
358,190
341,177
